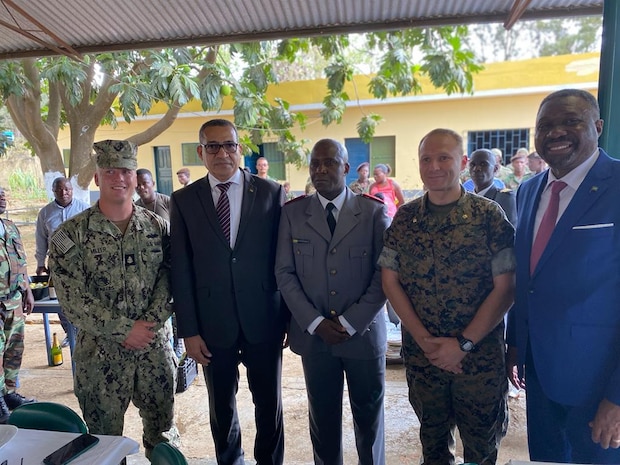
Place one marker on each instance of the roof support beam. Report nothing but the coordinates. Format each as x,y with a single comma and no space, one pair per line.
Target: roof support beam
517,10
61,46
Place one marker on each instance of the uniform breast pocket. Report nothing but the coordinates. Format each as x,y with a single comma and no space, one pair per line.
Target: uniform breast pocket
360,258
304,258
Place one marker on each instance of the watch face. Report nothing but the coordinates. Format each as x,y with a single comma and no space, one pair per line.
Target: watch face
467,346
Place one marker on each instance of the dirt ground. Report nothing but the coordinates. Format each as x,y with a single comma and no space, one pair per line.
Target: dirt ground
401,425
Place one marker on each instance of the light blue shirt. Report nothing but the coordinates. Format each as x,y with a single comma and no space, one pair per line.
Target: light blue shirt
50,217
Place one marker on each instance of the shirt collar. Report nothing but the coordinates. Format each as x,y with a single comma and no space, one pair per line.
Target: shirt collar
338,201
575,177
234,179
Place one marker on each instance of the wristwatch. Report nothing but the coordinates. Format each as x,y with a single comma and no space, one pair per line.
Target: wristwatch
465,344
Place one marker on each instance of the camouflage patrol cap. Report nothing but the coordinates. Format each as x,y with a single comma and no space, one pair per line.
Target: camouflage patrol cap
116,154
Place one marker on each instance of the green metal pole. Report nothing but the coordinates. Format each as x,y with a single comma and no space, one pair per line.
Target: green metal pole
609,79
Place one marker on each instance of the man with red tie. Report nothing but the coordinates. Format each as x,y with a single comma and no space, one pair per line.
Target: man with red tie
565,324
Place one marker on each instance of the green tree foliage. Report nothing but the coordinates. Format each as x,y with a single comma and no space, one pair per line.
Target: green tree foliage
45,95
530,39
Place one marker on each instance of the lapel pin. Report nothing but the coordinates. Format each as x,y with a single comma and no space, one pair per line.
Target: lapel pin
465,216
593,188
415,220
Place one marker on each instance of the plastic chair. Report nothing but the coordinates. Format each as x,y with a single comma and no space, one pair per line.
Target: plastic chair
47,416
165,453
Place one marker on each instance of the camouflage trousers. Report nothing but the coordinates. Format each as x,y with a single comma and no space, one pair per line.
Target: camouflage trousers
108,377
476,404
11,348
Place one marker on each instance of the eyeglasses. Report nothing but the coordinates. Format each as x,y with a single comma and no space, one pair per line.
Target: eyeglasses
214,149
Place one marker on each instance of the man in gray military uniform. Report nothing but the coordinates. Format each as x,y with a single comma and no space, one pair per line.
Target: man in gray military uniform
111,270
483,168
326,268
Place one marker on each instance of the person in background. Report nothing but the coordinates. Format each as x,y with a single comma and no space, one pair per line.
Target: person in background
227,302
483,169
183,175
16,302
287,190
335,325
393,195
535,163
362,183
111,270
262,168
519,173
149,198
565,324
448,270
63,207
159,204
504,171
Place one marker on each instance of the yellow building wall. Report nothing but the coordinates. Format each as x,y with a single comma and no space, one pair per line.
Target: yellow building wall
507,96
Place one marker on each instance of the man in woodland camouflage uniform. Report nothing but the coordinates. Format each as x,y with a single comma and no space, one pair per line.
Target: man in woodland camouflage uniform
15,299
111,270
448,270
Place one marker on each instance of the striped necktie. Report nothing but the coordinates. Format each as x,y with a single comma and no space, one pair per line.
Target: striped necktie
223,209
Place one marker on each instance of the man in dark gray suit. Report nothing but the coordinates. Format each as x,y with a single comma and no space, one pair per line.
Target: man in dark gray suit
223,244
326,268
482,169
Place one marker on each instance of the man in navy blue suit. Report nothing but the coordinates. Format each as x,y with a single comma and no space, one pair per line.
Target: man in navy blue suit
565,324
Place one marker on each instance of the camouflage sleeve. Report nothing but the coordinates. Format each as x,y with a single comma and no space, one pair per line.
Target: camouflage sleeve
388,259
81,305
160,306
501,241
503,262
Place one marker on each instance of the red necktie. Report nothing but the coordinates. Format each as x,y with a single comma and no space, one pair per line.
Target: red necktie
547,224
223,209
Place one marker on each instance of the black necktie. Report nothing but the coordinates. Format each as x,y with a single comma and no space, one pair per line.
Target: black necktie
331,220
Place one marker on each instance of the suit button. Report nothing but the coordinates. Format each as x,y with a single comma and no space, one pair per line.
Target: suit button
332,293
298,252
333,251
332,312
332,272
234,260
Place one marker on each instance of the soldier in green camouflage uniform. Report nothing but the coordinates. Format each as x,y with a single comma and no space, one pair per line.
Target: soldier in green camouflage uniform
15,299
448,270
111,270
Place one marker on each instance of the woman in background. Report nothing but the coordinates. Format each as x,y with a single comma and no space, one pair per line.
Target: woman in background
392,193
362,183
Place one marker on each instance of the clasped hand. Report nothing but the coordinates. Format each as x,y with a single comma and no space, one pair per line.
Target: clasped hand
332,332
140,335
444,353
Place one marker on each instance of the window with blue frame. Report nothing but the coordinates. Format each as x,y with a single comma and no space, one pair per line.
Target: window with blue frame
507,140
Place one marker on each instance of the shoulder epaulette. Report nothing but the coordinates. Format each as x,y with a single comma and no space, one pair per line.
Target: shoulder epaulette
371,197
506,190
303,196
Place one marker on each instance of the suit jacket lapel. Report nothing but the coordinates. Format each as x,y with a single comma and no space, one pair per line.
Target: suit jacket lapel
491,193
205,199
247,204
348,218
316,218
593,186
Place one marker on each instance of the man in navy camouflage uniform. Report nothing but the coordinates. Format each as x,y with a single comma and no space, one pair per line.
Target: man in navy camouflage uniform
448,270
15,299
111,270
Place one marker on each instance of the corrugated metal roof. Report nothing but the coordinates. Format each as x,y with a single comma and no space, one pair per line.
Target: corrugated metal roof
90,26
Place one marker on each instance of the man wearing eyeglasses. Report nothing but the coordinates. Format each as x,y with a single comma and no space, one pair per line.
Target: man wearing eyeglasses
225,293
